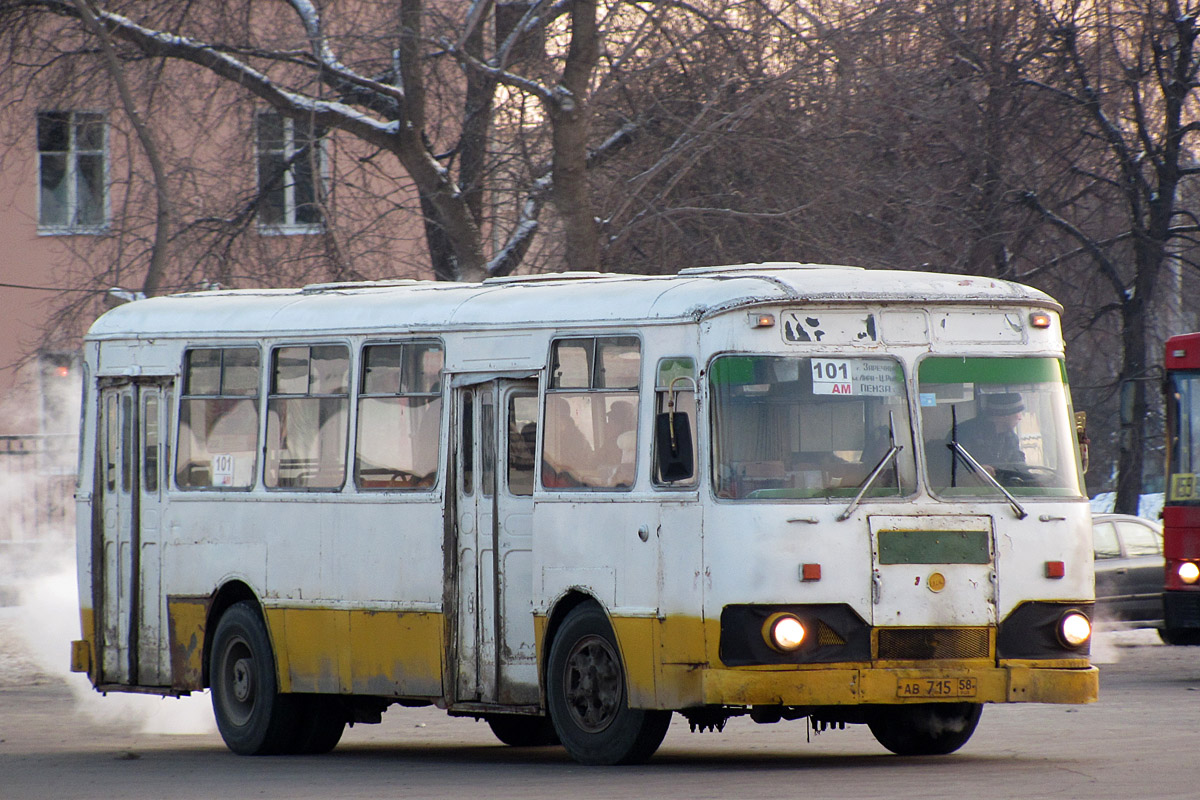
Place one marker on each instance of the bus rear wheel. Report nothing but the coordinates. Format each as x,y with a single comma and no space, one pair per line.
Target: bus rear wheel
587,698
252,716
927,729
322,721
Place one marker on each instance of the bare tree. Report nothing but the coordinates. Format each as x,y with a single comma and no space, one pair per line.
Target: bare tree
1130,69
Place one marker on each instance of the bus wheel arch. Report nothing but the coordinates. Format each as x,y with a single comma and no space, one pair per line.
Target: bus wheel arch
224,597
586,692
253,717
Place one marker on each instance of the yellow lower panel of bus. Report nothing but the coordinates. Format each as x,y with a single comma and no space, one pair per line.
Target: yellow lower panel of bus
387,653
833,686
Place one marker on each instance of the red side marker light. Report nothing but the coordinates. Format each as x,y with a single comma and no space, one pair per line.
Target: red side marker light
810,572
1055,569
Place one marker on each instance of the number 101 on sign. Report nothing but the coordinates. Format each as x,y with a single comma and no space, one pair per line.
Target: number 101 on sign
831,377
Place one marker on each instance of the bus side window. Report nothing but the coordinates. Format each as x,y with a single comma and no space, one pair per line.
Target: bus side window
467,443
111,443
676,380
522,443
590,439
399,417
218,419
307,417
150,447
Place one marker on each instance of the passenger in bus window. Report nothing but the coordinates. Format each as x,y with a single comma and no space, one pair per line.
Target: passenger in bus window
620,443
991,436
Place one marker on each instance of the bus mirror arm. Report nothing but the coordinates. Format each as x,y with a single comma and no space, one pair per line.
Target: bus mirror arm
1084,441
673,445
978,468
673,438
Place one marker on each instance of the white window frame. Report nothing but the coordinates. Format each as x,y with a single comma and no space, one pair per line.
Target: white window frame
289,226
73,154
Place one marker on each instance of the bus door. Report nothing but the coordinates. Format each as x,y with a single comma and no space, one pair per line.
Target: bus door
933,571
496,429
133,427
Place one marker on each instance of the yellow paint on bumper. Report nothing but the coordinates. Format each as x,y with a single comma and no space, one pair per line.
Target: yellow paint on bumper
855,685
648,644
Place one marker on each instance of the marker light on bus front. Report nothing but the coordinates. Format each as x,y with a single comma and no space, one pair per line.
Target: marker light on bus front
1074,629
1189,572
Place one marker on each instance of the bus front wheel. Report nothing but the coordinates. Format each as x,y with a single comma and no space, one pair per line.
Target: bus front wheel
253,718
927,729
518,730
587,699
1179,636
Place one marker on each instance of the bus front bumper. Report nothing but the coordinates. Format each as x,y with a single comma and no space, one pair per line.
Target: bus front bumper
870,685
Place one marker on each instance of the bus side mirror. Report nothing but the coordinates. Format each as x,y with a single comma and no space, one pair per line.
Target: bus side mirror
1081,434
673,446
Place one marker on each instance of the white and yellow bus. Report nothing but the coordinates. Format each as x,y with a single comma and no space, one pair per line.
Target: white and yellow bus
574,504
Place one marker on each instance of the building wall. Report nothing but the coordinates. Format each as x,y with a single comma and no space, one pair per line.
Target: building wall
53,286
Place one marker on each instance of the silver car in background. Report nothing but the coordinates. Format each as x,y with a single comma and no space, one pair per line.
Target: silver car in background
1129,570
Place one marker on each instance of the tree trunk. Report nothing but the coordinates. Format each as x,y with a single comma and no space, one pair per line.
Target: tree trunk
570,116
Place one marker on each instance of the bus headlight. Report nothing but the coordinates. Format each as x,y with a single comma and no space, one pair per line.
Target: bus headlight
1189,572
1074,628
784,632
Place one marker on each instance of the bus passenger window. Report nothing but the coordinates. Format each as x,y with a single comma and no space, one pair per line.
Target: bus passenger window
307,417
400,417
150,444
467,444
522,443
127,444
218,419
112,443
590,439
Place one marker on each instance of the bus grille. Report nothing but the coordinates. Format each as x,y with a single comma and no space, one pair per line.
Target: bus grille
904,644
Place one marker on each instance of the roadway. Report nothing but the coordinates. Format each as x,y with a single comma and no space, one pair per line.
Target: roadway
1142,739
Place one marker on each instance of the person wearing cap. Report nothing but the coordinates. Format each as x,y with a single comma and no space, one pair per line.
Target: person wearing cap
991,436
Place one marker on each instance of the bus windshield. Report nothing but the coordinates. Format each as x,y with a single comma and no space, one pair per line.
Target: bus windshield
794,428
1183,436
1006,421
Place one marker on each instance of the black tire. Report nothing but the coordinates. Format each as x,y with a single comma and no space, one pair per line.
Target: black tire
927,729
252,716
1179,636
519,730
321,723
586,695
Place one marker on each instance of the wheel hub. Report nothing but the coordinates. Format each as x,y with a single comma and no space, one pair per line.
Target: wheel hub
243,680
593,684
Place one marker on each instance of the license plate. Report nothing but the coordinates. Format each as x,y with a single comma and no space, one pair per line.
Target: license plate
936,687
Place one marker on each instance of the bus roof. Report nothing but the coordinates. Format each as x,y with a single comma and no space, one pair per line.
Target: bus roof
554,298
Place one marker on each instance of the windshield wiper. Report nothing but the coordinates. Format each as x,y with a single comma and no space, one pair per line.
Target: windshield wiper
979,469
883,462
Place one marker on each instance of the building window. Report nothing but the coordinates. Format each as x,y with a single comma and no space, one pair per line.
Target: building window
290,174
72,172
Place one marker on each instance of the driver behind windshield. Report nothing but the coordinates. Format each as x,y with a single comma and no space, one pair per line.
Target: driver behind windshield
991,436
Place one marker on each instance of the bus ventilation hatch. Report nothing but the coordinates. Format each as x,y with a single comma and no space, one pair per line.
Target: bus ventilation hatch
904,644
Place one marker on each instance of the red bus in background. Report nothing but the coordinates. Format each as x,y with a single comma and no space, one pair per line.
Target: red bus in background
1181,511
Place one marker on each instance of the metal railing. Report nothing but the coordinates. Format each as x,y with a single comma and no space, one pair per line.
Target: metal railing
37,486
